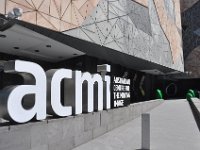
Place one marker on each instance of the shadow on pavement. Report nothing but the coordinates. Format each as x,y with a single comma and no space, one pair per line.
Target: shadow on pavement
195,113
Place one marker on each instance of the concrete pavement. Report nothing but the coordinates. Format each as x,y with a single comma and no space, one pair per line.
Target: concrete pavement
172,128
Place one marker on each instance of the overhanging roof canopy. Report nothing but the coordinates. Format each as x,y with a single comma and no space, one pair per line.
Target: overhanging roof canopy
66,47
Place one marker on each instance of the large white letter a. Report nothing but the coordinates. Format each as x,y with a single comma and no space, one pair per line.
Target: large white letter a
15,109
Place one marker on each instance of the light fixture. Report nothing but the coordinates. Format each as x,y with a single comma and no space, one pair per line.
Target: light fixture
8,21
16,47
11,15
37,51
2,36
16,13
49,46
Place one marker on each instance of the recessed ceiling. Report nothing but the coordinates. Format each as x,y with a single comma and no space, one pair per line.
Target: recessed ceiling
21,41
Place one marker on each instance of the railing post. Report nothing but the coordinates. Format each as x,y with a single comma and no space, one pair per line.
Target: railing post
146,131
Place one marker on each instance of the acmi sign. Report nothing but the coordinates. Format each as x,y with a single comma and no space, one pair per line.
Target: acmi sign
41,93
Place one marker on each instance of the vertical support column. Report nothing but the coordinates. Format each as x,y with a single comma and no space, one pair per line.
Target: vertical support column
146,131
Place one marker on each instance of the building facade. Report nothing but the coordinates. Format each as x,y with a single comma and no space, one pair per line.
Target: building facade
140,36
61,58
136,29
